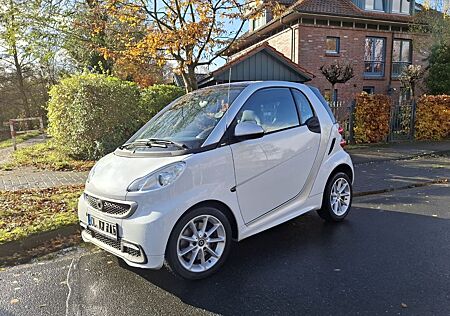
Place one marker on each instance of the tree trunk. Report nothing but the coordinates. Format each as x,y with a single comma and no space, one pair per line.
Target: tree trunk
20,81
333,95
18,67
190,79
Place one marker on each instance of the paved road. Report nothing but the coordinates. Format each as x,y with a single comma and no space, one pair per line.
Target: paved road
382,260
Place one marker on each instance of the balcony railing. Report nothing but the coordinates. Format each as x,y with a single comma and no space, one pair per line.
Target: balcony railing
374,68
398,67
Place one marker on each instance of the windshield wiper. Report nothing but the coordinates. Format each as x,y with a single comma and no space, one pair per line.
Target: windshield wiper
166,142
154,142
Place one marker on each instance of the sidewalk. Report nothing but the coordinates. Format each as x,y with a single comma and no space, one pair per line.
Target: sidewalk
396,151
400,165
29,177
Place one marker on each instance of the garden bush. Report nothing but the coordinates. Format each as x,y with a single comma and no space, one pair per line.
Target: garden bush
372,115
91,114
155,98
433,117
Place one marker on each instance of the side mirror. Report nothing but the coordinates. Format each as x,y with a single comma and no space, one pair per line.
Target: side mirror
248,130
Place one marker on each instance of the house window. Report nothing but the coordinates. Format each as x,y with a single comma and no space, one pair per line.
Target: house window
401,56
369,90
374,56
401,6
377,5
260,20
332,45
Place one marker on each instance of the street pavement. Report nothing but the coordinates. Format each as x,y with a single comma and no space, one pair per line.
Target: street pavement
386,258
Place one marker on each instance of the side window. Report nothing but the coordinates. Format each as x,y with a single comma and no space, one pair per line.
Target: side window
273,109
306,111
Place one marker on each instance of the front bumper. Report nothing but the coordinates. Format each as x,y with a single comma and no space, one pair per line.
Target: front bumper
140,241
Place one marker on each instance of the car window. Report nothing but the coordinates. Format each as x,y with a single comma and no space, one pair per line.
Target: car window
273,109
306,112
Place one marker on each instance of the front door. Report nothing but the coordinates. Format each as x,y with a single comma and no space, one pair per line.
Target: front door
273,169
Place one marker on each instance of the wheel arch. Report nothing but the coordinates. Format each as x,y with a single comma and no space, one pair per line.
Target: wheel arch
343,167
223,208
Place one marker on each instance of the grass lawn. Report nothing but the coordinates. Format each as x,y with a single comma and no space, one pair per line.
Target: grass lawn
25,212
45,156
19,139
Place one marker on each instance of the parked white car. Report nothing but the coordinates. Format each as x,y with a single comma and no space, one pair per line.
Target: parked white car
219,164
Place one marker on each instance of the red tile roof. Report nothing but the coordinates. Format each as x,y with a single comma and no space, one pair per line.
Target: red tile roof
345,8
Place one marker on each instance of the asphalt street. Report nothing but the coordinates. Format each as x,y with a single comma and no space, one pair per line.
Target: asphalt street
391,256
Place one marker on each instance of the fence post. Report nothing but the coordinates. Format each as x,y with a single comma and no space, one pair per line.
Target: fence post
13,133
351,122
41,127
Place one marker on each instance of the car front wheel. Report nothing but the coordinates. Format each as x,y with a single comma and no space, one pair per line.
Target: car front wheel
337,198
199,243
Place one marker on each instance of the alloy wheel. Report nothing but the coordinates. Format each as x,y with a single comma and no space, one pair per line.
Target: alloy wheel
340,196
201,243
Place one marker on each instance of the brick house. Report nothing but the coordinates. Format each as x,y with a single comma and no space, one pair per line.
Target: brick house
373,35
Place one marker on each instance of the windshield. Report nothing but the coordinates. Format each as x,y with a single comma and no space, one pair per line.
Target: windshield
190,119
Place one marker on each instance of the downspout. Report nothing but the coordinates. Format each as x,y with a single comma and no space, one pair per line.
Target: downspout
292,37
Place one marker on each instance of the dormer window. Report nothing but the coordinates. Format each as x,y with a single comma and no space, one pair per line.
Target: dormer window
259,21
401,6
375,5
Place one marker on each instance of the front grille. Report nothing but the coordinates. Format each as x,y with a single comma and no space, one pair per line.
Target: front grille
109,207
106,240
122,248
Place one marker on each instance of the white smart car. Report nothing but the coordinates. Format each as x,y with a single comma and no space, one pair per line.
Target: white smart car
216,165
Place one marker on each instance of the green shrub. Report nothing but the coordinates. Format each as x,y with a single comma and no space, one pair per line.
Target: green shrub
91,114
438,80
156,97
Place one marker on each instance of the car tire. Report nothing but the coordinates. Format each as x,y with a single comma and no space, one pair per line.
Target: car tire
210,245
337,198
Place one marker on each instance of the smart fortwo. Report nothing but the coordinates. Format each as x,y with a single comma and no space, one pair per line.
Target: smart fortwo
216,165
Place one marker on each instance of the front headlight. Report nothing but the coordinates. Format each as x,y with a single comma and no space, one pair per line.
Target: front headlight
158,179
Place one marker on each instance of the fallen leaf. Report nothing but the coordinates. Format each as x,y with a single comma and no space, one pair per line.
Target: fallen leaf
14,301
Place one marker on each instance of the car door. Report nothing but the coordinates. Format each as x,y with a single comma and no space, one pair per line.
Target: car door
273,169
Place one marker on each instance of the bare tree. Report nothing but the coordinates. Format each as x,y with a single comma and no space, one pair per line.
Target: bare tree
337,73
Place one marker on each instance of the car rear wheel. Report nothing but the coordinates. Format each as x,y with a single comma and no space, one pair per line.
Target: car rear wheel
199,243
337,198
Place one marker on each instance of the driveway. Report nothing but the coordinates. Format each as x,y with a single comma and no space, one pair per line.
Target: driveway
381,260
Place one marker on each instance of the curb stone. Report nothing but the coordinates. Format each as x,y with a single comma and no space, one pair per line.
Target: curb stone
11,248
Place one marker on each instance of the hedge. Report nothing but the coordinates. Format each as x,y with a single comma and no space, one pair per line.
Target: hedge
433,117
372,115
155,98
91,114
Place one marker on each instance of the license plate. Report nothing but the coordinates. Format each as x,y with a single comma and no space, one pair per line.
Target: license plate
106,228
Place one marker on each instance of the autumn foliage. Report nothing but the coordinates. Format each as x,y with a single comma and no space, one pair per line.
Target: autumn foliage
372,115
433,117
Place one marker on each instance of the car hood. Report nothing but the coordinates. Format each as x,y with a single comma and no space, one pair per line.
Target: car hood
113,174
